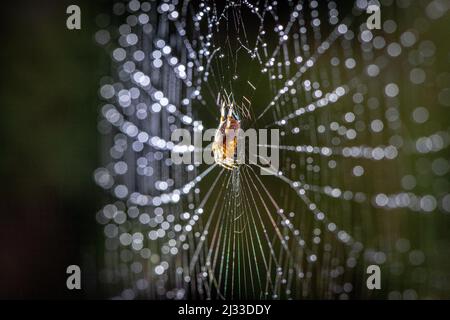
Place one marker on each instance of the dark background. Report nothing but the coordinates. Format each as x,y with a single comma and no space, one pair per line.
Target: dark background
48,147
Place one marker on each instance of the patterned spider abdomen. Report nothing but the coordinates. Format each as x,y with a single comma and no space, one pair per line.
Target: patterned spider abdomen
225,143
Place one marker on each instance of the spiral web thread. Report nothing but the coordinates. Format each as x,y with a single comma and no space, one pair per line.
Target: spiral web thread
364,150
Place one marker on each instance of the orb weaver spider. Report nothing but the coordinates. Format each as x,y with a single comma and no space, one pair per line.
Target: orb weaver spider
225,142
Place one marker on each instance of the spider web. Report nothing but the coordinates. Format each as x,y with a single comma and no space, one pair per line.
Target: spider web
357,138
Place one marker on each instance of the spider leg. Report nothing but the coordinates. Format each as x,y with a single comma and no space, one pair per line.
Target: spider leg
226,166
218,98
237,117
230,110
222,112
230,116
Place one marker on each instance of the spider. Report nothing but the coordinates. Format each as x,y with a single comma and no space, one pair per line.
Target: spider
225,142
